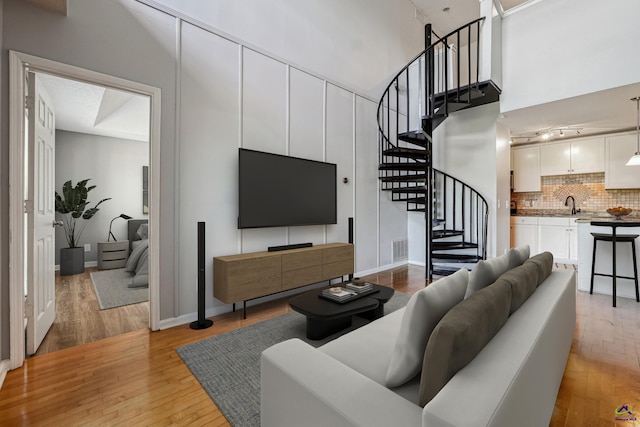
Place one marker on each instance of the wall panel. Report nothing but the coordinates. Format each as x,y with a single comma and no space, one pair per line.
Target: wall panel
208,153
340,124
366,173
264,100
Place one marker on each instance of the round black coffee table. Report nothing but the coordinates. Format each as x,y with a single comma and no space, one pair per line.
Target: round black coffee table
325,317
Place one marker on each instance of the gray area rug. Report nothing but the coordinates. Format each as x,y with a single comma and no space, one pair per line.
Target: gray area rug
228,365
112,291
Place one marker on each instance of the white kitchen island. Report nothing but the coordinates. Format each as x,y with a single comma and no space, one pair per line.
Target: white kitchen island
624,267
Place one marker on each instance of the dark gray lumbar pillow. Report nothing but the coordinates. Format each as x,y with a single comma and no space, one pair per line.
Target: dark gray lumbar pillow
461,335
544,263
517,256
523,281
486,272
424,310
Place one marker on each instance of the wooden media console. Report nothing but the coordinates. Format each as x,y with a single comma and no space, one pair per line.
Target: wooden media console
248,276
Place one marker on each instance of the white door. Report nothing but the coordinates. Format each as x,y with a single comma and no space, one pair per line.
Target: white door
41,303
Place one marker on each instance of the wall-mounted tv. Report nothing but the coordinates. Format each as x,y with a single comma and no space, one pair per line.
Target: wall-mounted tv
279,191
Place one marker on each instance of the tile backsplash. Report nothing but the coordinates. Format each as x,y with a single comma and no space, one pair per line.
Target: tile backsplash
587,189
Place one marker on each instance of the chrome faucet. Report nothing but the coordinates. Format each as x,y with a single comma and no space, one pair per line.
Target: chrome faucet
573,204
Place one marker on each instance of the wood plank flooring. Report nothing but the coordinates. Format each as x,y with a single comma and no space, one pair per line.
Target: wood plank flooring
138,379
79,319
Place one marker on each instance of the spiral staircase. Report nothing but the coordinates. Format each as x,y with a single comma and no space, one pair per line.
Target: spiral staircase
442,79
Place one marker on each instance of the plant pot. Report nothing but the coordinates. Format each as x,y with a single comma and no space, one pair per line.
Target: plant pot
71,261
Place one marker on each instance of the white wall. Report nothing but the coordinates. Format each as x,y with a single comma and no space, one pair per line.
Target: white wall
357,43
219,94
4,217
559,49
114,166
232,97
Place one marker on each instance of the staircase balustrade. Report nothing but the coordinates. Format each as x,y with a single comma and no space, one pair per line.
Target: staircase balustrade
438,81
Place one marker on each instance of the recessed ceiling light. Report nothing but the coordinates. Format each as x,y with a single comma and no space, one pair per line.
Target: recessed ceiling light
546,135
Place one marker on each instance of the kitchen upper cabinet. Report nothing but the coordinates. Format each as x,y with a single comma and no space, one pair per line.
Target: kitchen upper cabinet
618,150
571,157
526,169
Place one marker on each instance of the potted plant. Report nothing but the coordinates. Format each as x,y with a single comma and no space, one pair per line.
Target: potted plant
72,205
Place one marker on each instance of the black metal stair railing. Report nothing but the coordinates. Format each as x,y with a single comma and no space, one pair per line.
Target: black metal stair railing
440,80
464,214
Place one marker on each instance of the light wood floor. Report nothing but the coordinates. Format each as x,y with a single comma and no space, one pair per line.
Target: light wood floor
79,319
138,378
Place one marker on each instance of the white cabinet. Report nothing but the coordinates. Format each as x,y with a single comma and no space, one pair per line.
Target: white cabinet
526,169
524,231
560,237
618,150
579,156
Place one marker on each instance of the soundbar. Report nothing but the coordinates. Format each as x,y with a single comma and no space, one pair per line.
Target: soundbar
287,247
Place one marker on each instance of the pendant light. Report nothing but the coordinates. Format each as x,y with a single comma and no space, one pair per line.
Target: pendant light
635,159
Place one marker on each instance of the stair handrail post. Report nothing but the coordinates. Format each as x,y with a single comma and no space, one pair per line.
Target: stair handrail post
428,211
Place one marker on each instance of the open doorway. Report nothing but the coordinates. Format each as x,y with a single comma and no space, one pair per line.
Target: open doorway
117,95
100,134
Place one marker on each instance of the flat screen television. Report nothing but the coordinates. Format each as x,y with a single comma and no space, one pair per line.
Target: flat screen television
280,191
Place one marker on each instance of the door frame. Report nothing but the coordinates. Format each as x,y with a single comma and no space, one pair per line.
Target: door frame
18,63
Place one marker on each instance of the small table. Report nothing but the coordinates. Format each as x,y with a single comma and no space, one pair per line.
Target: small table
112,254
325,317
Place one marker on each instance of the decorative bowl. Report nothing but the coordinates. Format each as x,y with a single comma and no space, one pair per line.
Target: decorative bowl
619,211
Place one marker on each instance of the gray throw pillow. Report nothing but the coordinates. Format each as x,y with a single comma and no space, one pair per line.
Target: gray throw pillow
517,256
461,335
523,281
544,263
424,310
486,272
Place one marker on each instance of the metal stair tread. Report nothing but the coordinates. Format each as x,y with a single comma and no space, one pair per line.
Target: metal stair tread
407,166
419,177
443,246
411,153
441,234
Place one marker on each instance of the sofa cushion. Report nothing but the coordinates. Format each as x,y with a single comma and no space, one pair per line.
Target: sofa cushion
517,256
423,312
368,349
461,335
523,281
486,272
544,263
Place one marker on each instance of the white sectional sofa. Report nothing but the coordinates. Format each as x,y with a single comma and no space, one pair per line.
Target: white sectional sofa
512,379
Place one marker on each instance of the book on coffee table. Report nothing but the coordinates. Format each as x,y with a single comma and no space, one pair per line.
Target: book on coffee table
338,293
360,287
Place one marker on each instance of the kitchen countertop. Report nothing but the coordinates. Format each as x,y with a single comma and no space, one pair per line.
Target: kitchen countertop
585,216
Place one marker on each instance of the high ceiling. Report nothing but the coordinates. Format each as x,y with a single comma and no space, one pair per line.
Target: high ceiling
596,113
447,15
90,109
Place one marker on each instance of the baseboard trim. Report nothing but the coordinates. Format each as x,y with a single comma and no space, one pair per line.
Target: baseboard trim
184,319
4,368
379,269
227,308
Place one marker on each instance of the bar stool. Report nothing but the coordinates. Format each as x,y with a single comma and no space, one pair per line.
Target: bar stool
615,238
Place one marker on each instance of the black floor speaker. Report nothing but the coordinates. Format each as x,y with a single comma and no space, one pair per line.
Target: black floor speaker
351,238
202,322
